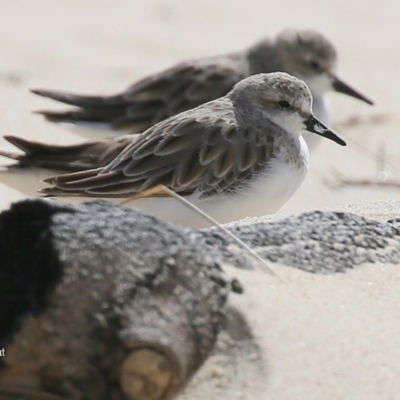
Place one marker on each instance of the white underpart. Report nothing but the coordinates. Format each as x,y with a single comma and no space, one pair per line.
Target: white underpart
266,194
319,86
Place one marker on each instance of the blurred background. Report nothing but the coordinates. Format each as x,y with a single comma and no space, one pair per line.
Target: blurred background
102,46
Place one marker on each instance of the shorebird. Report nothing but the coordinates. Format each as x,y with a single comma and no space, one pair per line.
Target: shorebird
306,54
237,156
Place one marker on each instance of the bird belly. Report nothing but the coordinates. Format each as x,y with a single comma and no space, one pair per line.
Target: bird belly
266,194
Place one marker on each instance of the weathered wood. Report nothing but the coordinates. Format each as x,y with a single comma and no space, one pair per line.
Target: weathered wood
132,310
149,374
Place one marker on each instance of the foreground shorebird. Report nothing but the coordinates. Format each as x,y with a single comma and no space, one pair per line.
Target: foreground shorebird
240,155
308,55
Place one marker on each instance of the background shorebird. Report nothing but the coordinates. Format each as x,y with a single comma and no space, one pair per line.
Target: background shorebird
306,54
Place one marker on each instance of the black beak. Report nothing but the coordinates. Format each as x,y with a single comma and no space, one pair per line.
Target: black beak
344,88
314,126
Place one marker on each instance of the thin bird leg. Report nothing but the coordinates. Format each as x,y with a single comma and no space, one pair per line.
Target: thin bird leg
147,193
161,188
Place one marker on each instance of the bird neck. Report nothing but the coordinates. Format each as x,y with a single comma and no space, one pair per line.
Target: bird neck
321,108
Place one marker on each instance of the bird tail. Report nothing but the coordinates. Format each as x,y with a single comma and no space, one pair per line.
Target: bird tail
70,158
83,101
115,112
91,109
69,185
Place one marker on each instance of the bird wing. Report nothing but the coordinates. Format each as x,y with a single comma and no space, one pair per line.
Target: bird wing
202,150
156,97
186,85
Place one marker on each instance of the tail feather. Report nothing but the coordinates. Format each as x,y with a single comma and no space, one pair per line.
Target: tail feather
94,102
70,158
54,191
90,184
64,179
92,109
37,148
118,111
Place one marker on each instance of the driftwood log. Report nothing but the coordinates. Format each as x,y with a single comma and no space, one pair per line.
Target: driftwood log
100,302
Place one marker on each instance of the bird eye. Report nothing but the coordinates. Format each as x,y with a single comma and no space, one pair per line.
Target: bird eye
284,104
315,65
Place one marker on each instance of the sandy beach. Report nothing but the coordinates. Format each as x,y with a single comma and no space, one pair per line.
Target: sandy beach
103,47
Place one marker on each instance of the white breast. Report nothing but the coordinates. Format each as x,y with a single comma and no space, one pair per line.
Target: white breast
266,194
